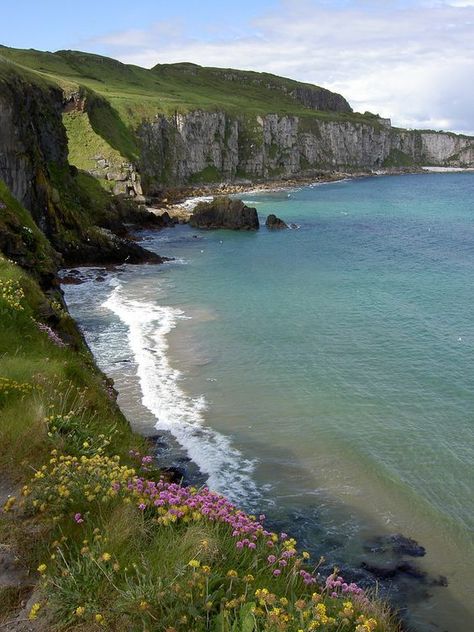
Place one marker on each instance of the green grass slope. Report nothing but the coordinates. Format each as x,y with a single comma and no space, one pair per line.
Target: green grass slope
138,93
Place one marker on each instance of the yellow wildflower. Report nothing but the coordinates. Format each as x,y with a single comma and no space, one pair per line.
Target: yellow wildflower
194,563
34,611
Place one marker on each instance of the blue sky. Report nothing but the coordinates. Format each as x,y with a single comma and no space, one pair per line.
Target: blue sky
410,60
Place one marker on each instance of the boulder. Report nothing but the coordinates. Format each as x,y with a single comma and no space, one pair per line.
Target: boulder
273,222
224,212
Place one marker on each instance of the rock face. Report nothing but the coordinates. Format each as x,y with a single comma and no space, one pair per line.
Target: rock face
275,223
31,137
34,167
224,213
213,146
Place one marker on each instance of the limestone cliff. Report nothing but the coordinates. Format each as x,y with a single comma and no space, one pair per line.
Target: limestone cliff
205,146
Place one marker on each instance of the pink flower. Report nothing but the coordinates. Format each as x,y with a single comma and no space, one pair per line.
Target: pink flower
271,559
277,572
78,518
142,506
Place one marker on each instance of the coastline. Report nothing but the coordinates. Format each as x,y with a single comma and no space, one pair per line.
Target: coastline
179,202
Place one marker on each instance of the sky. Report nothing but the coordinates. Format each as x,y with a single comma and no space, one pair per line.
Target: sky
412,61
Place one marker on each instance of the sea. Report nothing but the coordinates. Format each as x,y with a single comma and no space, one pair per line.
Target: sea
322,375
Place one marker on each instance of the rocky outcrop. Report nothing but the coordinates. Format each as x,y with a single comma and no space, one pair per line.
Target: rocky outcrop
275,223
124,178
224,213
316,98
213,146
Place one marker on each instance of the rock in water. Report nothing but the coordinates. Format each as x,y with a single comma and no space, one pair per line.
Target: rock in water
223,212
274,222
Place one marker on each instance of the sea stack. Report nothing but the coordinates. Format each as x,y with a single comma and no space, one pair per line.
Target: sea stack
224,212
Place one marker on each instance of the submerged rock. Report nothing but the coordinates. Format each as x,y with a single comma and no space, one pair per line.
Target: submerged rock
393,570
406,546
273,222
223,212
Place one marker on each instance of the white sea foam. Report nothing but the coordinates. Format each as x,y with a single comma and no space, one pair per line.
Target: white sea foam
175,412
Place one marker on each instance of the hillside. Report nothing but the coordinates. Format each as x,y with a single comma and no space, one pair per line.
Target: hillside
141,131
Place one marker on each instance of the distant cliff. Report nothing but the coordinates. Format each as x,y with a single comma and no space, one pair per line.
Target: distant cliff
203,146
139,132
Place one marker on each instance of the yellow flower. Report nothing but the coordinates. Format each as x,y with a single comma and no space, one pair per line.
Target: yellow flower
34,611
144,605
99,619
105,557
194,563
42,568
232,573
79,611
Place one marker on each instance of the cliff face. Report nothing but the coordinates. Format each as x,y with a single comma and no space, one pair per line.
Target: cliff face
31,138
205,146
42,196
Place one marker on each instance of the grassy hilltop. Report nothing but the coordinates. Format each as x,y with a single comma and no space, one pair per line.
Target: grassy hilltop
137,93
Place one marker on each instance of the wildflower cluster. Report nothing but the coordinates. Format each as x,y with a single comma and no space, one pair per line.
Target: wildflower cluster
70,483
72,427
11,294
12,387
52,335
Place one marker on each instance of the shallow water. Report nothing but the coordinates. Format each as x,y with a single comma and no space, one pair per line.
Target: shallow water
322,374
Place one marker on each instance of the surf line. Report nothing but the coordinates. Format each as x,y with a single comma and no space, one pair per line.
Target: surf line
148,325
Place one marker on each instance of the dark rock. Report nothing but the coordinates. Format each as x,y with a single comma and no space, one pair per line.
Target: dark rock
71,280
409,569
223,212
273,222
406,546
381,572
389,572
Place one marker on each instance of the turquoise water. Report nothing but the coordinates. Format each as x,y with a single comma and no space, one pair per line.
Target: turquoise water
323,374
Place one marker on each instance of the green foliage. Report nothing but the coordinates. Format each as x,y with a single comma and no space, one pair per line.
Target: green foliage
20,236
398,158
207,175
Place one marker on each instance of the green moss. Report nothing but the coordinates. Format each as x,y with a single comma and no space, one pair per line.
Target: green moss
207,175
398,158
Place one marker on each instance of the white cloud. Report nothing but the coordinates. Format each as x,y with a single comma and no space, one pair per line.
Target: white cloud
413,61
